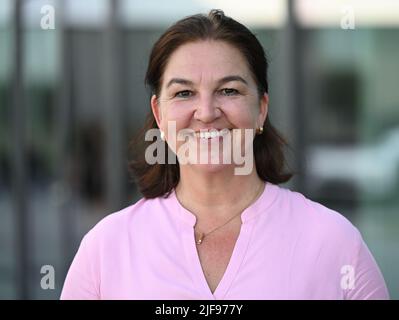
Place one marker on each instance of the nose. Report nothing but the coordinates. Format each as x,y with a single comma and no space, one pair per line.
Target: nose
207,110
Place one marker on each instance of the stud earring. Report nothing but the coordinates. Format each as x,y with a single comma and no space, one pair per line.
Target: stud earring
162,135
259,130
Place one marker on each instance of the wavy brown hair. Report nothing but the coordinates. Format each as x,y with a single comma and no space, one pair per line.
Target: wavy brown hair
159,179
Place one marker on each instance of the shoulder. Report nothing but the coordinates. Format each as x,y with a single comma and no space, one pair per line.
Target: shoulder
117,225
316,219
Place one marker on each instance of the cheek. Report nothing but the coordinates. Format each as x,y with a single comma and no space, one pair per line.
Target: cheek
239,114
178,115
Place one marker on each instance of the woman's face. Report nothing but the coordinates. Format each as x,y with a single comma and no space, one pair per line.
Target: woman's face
208,85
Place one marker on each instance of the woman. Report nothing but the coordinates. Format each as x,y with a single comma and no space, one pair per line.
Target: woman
204,230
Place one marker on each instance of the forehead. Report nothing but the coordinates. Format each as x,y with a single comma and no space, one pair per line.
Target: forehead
209,59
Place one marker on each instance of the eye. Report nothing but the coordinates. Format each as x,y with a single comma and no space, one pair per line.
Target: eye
183,94
229,92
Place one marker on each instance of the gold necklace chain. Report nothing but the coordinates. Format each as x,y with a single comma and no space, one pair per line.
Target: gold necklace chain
203,235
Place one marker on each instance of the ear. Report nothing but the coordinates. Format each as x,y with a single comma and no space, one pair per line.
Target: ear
156,110
263,109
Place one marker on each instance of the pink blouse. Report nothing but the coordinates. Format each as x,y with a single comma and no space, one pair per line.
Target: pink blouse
289,247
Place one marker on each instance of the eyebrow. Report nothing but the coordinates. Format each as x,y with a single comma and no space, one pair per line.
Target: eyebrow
220,81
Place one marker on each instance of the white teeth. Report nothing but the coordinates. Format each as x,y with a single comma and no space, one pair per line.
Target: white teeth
208,135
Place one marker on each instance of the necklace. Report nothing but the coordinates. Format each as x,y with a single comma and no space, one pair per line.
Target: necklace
203,235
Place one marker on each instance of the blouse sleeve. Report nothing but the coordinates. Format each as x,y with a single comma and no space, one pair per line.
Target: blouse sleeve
369,283
81,282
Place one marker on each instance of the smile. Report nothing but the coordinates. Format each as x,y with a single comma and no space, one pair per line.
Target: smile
211,134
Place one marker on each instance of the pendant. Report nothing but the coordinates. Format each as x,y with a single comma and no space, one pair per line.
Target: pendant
199,241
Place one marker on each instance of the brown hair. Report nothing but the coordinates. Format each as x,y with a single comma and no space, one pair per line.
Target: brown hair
159,179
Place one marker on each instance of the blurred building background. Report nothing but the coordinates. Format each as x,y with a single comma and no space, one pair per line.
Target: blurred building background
72,96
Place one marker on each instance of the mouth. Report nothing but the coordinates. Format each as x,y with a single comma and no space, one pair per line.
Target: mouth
214,133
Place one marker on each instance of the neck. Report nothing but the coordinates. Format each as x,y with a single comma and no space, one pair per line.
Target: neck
217,196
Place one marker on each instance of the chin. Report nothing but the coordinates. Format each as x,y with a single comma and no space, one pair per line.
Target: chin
212,168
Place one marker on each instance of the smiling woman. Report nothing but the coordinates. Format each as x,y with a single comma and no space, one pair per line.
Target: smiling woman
201,231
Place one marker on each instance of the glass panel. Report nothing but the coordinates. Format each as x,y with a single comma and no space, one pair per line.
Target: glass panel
352,114
7,234
40,63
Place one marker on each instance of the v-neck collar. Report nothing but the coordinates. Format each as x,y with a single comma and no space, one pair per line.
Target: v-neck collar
240,248
232,267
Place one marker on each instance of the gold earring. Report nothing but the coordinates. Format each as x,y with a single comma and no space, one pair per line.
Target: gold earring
259,130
